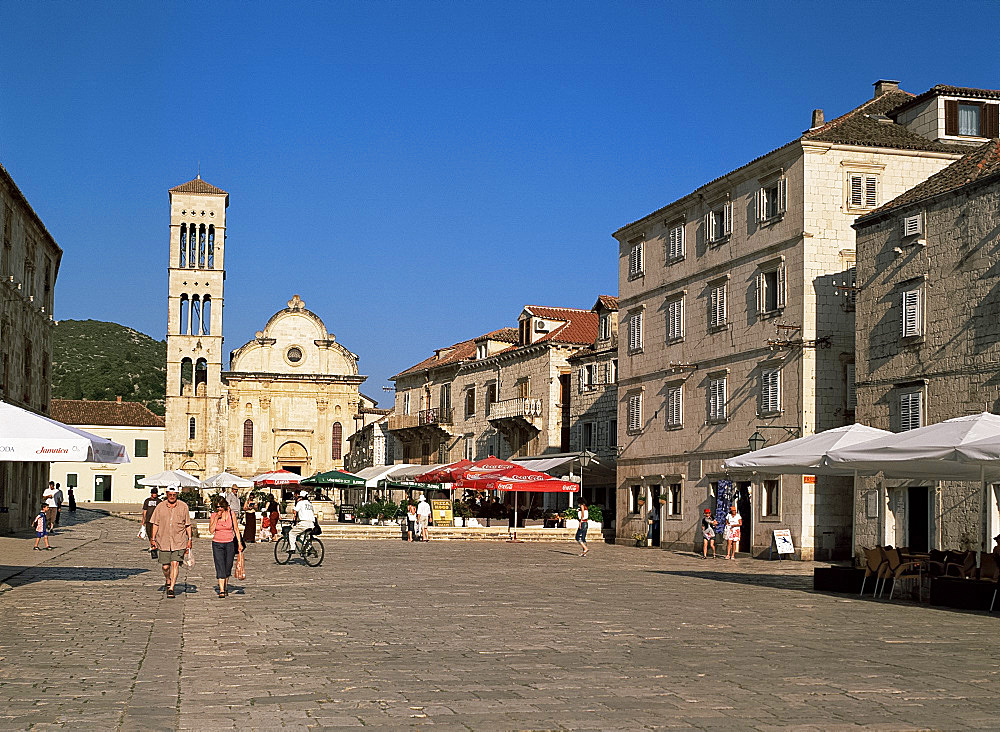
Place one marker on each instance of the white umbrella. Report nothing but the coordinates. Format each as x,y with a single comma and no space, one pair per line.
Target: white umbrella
226,480
29,437
806,454
168,478
956,449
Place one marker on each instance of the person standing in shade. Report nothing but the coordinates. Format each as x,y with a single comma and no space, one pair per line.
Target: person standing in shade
708,525
59,502
734,523
423,517
146,519
49,496
225,543
233,499
72,499
581,532
171,535
273,516
411,521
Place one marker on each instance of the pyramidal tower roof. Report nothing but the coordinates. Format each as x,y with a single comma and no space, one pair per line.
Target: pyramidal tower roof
198,186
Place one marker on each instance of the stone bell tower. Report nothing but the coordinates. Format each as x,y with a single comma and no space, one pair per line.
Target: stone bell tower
196,273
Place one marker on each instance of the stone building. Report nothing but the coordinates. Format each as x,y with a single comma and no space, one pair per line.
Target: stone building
505,393
127,423
928,340
372,444
290,394
29,263
738,317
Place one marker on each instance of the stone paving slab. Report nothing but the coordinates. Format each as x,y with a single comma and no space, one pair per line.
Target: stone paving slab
470,636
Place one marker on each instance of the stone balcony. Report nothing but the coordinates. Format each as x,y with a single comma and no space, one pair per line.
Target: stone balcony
521,407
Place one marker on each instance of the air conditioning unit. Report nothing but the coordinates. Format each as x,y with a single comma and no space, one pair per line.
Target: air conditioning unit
913,225
541,326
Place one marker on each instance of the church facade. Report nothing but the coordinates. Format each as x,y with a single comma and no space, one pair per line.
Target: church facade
290,394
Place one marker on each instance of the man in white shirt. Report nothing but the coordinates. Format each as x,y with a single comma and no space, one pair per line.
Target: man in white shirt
49,496
423,516
304,516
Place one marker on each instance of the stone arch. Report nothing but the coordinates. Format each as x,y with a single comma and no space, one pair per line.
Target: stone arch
293,456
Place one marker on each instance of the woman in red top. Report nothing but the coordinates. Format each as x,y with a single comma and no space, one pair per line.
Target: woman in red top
222,524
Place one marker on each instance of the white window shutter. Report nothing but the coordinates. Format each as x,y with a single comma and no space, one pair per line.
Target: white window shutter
680,318
727,218
723,315
871,191
781,287
911,321
782,195
580,378
857,198
709,227
759,286
760,204
713,307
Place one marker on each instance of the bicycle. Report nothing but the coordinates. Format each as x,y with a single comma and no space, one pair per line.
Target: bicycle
307,546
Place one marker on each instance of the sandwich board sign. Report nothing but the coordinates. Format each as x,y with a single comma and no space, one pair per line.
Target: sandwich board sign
783,541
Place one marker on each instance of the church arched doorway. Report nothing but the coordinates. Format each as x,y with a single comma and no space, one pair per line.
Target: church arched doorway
293,457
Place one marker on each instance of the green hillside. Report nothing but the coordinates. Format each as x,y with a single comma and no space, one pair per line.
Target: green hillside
92,359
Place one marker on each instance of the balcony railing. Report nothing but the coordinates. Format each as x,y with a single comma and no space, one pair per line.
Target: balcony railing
434,416
420,419
520,407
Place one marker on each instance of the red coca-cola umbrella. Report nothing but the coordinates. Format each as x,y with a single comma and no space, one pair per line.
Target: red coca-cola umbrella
444,474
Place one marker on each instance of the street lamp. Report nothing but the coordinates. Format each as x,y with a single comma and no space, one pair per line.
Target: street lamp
756,441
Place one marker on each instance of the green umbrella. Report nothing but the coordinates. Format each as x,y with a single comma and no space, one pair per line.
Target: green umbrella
333,477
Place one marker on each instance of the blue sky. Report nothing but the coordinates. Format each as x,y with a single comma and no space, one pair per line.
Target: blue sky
418,172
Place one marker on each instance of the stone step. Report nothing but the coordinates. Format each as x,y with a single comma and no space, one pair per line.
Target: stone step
495,533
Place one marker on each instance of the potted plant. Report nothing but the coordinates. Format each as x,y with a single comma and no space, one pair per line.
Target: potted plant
596,516
461,511
571,517
640,539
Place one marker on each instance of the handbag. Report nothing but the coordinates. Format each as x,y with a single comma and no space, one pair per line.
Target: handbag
237,541
316,529
240,572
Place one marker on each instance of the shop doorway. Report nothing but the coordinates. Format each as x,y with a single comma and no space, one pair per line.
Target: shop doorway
653,516
917,518
102,488
744,505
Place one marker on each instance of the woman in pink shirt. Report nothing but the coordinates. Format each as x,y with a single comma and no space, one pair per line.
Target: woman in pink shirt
225,542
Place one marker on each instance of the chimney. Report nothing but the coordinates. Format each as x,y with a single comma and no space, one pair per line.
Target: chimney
119,400
817,119
884,85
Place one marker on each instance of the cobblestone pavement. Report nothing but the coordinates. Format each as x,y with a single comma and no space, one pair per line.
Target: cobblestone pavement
470,636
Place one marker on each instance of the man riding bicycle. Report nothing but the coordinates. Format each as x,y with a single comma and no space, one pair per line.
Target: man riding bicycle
304,516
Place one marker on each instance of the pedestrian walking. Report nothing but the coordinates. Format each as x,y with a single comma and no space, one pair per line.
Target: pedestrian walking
273,517
581,532
708,525
146,518
41,528
250,520
734,522
423,517
59,502
233,499
49,496
226,543
411,521
72,499
171,535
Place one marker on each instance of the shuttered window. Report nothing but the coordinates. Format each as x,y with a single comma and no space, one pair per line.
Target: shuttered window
635,260
770,391
719,222
675,319
717,306
971,119
635,331
635,412
863,190
911,321
771,289
772,200
717,398
911,410
675,406
675,242
852,393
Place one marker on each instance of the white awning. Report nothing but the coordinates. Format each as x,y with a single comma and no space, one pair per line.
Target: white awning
29,437
376,473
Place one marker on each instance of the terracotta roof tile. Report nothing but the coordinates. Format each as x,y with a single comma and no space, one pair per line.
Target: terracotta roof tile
981,162
609,302
945,90
581,328
109,414
505,335
197,186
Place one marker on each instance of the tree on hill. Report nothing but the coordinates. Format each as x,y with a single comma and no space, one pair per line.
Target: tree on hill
92,359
